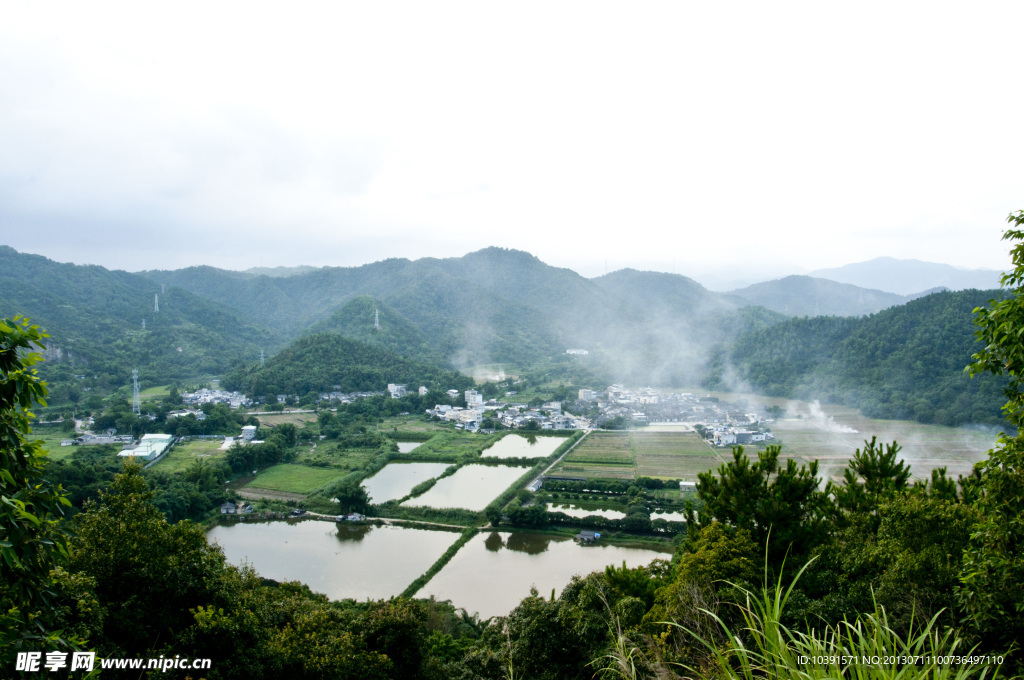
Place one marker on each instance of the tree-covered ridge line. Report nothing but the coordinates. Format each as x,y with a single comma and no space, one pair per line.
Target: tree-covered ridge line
95,321
328,362
905,363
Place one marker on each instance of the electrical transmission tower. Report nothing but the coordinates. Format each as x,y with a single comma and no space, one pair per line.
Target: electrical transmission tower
261,358
156,302
376,319
143,324
136,404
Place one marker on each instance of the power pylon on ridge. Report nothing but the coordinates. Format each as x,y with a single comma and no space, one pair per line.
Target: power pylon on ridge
136,404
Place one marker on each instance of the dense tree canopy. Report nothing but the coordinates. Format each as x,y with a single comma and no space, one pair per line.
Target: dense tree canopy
30,543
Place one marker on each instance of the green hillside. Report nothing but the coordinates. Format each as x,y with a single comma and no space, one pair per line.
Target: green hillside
94,317
325,362
357,318
906,362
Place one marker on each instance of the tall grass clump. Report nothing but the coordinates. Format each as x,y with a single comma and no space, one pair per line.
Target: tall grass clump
863,648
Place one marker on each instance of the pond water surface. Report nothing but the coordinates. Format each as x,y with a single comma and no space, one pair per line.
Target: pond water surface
397,479
494,571
341,561
473,487
408,447
677,516
574,511
519,446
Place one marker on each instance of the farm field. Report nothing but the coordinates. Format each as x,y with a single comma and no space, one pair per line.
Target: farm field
675,455
185,453
153,392
298,479
332,455
297,419
409,423
600,454
450,445
51,444
638,453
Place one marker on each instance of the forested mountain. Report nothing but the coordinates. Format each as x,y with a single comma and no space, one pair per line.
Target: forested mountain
809,296
377,323
95,320
495,306
904,362
324,362
499,306
906,277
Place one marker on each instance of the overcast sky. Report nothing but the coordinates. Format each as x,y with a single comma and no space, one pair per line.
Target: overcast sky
669,136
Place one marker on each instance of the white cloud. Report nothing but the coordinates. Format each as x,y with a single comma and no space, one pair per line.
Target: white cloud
802,133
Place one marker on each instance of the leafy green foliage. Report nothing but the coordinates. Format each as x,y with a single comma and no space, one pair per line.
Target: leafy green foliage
148,573
765,499
993,566
871,476
30,543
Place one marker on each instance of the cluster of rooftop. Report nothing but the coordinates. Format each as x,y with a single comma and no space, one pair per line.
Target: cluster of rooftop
647,405
207,396
548,416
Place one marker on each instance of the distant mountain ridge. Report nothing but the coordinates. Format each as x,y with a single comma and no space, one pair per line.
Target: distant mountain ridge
495,305
906,277
810,296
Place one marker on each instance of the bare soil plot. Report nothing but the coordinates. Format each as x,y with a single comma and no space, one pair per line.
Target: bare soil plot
297,419
409,423
254,494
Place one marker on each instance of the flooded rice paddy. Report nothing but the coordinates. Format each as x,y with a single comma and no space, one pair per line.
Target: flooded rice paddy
396,480
495,570
519,446
472,487
341,561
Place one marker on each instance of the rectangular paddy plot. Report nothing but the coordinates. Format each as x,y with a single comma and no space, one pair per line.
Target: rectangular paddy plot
473,487
637,453
674,455
518,446
341,561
